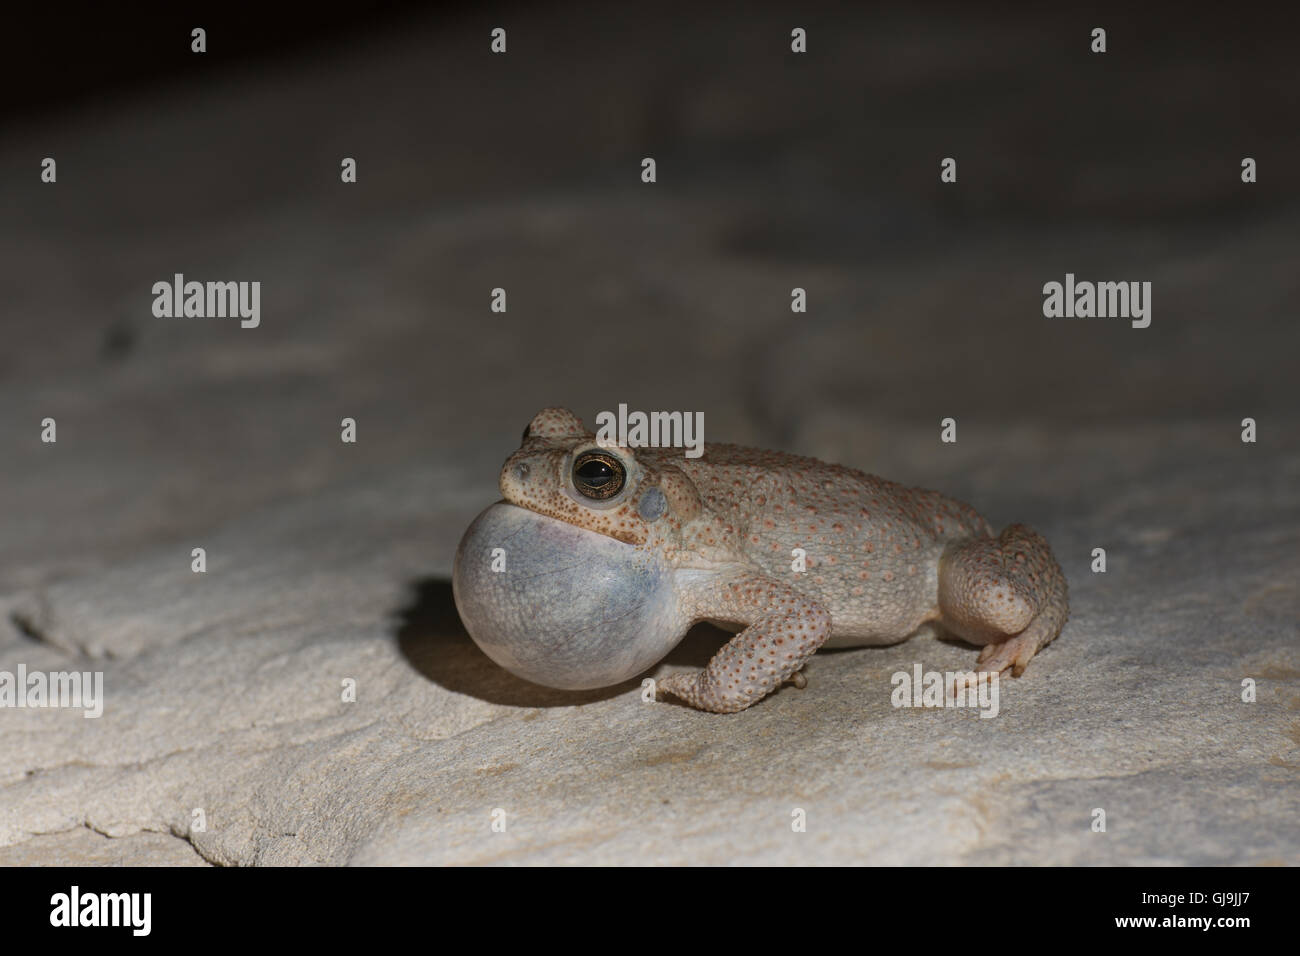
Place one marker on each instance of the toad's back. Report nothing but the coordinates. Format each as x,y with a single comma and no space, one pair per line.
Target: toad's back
870,547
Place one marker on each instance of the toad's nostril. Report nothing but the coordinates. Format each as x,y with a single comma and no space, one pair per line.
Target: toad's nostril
521,471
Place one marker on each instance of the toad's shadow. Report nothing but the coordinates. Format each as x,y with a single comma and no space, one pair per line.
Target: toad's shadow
431,637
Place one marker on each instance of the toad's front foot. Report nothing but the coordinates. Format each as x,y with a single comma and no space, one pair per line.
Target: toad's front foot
787,629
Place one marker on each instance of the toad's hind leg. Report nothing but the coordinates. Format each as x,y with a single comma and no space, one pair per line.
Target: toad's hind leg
1007,593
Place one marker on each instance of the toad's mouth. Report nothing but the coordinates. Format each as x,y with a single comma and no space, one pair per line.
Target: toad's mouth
560,605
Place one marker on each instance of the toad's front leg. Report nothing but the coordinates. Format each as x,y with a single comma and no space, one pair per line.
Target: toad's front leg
784,630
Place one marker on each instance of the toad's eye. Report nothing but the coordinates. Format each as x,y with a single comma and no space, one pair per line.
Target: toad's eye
597,475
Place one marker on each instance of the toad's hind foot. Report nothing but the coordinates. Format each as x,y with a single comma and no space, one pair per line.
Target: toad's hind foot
1013,653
